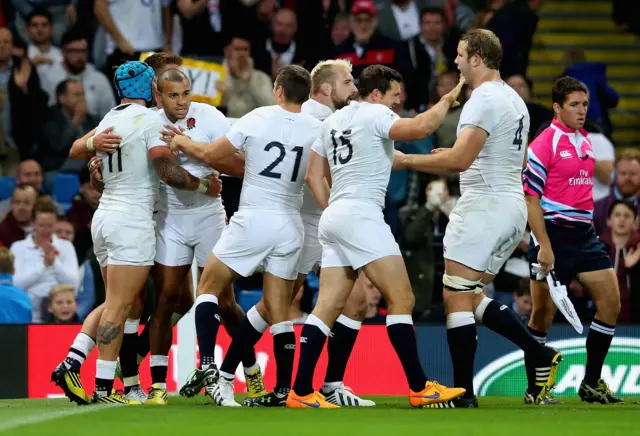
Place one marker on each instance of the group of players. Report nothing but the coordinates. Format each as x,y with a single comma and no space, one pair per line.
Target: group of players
315,165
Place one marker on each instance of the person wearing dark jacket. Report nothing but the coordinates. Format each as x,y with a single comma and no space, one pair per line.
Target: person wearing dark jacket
623,242
18,223
365,46
83,206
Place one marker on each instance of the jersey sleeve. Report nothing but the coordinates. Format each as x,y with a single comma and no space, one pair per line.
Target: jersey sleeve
243,129
219,123
539,157
382,118
479,112
152,131
318,144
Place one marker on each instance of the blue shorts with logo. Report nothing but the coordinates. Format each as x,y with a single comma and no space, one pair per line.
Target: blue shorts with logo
576,250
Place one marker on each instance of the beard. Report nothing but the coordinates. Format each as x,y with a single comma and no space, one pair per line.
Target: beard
339,103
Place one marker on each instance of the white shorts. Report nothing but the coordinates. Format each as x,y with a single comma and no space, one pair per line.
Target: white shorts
180,236
354,234
262,241
311,250
123,239
484,230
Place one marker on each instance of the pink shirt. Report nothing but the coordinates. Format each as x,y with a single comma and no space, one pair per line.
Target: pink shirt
560,173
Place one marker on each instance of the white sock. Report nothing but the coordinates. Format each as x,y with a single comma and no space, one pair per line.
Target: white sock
331,386
105,370
81,347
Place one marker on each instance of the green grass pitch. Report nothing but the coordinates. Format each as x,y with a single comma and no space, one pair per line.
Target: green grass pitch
496,416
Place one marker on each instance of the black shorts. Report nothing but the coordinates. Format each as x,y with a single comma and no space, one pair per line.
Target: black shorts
576,250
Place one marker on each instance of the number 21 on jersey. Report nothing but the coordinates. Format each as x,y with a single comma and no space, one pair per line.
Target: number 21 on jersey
269,170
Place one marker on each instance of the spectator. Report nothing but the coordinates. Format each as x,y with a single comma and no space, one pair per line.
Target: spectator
626,17
43,260
515,24
339,30
323,24
29,173
538,114
626,186
202,24
400,19
86,295
623,242
80,214
19,221
97,88
594,75
245,88
366,46
63,13
41,52
522,301
23,103
15,304
133,27
61,306
68,120
373,297
462,16
281,48
513,272
431,55
447,133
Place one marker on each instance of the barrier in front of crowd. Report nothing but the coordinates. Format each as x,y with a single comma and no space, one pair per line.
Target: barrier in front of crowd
33,351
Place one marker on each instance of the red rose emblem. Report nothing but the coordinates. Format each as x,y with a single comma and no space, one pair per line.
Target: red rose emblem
191,123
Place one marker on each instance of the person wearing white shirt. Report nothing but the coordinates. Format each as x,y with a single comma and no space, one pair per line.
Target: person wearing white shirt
43,260
605,155
41,52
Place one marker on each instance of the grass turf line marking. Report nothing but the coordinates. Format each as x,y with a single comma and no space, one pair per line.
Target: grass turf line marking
28,420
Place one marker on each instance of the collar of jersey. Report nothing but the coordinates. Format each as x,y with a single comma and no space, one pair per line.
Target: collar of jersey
565,129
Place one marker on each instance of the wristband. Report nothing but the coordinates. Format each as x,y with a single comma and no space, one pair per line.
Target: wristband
90,146
203,187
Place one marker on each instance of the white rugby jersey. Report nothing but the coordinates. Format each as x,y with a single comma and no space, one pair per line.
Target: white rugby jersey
356,142
130,180
203,123
496,108
276,145
319,111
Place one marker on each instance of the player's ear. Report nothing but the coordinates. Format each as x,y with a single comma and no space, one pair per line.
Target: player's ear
556,108
326,89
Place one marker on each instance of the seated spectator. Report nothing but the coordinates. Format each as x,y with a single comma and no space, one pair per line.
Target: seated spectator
62,12
61,306
447,133
626,186
15,304
41,51
68,120
245,88
623,242
339,30
18,223
75,65
538,114
373,297
42,260
29,173
86,295
83,206
522,302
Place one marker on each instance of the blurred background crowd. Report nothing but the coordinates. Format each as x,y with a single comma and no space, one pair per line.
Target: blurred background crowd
56,62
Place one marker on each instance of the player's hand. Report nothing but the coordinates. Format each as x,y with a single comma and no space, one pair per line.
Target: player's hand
177,142
398,161
38,60
215,186
106,142
632,257
169,132
452,97
95,168
546,258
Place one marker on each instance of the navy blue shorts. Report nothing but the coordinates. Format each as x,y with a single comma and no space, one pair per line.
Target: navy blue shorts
576,250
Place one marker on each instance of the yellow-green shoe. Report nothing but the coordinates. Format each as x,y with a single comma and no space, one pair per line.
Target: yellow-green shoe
255,384
116,397
70,384
157,396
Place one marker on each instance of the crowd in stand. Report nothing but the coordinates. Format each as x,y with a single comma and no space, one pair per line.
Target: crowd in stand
56,58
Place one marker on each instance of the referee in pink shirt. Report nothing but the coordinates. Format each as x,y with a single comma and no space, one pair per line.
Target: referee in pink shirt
558,184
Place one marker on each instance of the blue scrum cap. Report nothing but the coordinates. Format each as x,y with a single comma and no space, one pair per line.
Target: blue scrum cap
133,81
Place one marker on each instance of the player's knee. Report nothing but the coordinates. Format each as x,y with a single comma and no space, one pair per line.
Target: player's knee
609,307
401,302
168,301
459,284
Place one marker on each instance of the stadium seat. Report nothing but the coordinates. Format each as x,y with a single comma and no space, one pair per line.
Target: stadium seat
7,185
65,187
248,299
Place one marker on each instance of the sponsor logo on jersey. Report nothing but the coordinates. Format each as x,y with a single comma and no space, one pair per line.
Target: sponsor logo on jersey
565,154
506,375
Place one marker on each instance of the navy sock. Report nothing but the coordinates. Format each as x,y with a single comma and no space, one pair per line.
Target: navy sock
598,343
403,339
340,346
207,324
463,339
314,334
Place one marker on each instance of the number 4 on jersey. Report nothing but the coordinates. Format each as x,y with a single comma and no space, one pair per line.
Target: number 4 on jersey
518,139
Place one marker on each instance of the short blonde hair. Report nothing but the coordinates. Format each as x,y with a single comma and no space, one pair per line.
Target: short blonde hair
6,261
57,289
325,72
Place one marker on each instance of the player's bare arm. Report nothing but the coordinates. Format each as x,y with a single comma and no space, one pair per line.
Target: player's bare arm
174,175
457,159
536,222
232,165
89,144
209,153
424,124
318,178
